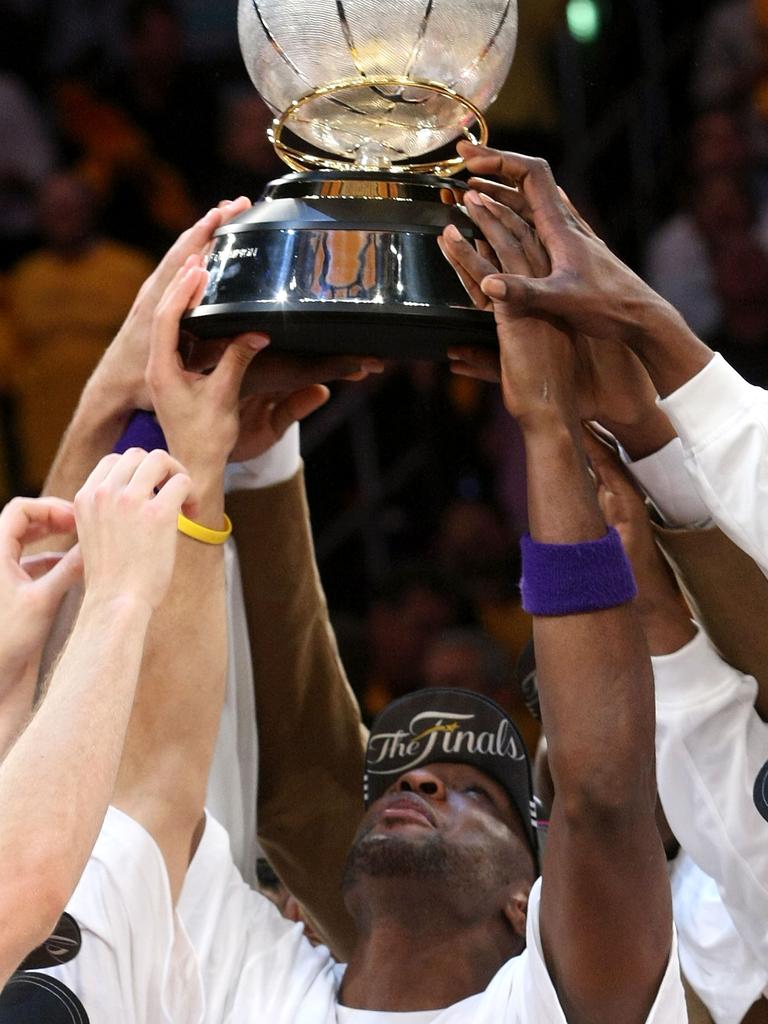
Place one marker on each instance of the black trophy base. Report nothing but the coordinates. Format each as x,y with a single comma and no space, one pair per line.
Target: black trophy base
389,334
343,265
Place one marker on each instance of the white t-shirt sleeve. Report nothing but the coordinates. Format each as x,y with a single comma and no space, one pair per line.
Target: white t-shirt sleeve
254,965
533,997
135,965
710,746
224,954
722,422
717,962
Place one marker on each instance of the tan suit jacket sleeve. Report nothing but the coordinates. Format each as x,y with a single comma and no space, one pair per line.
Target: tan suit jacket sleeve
728,594
311,740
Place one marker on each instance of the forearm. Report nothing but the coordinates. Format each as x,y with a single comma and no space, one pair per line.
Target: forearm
168,749
664,616
57,780
596,696
16,704
96,426
729,596
303,705
665,345
594,672
649,434
723,425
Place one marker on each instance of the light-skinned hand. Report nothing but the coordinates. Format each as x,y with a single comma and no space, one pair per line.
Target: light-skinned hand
123,367
31,589
282,371
126,515
199,413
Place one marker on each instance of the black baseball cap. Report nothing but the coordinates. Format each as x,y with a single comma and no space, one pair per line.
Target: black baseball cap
760,792
450,726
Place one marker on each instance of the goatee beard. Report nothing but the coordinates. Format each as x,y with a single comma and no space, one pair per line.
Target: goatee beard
392,856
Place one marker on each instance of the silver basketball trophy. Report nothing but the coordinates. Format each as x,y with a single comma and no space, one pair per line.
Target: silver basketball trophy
342,257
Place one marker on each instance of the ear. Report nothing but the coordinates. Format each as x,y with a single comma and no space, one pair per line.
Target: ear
292,910
515,909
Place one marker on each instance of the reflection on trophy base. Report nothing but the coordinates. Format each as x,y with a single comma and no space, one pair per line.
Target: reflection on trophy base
336,264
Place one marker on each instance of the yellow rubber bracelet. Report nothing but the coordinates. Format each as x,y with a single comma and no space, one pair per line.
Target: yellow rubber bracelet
203,533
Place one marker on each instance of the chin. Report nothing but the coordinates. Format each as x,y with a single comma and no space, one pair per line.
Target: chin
392,855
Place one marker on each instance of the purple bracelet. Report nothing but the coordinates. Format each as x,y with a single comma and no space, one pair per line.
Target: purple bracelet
565,579
142,431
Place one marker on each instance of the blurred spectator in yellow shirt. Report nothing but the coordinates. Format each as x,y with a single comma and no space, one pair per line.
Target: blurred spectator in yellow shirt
65,303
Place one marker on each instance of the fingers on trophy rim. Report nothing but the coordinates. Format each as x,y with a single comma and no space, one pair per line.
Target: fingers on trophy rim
187,281
462,252
507,195
487,252
531,175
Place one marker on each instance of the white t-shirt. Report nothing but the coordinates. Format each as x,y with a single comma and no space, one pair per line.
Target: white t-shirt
226,954
718,964
710,746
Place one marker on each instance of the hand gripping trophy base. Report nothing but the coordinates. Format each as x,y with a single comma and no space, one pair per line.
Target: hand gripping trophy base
343,263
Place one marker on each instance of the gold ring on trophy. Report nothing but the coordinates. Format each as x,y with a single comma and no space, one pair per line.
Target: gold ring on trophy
299,160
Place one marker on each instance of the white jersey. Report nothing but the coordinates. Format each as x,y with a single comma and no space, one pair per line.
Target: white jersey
710,746
226,954
718,964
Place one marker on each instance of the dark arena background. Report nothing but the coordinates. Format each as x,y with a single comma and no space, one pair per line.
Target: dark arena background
122,120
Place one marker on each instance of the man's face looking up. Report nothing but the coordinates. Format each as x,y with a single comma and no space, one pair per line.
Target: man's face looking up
444,833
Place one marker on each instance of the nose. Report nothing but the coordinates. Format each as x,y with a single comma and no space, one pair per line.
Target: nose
421,781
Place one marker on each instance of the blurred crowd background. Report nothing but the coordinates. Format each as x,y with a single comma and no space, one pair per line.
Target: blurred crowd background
122,120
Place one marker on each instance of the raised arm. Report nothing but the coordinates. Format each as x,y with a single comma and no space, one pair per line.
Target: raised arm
597,708
164,772
31,591
607,951
117,385
56,781
311,739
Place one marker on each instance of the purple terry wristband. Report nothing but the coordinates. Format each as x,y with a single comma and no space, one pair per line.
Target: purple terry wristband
565,579
143,431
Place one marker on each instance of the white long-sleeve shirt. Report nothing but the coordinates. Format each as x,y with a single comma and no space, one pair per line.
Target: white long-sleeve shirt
722,422
706,729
